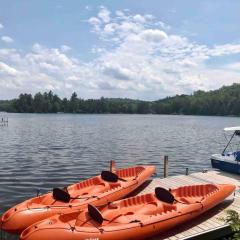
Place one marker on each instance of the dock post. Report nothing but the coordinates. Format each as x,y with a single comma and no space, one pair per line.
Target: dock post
3,120
187,171
165,174
112,166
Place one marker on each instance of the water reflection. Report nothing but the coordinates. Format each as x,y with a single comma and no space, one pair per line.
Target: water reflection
40,151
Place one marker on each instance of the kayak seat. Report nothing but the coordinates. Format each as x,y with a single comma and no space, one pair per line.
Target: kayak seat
131,172
155,208
114,185
92,188
44,199
165,208
194,193
87,183
123,214
73,216
148,209
113,206
190,200
89,191
126,218
138,200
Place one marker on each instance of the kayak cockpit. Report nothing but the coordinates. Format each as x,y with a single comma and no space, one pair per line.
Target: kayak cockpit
145,207
130,173
194,193
137,217
79,192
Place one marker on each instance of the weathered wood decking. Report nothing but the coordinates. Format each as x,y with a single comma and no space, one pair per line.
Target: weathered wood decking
209,225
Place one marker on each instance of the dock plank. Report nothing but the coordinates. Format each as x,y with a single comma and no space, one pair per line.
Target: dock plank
210,220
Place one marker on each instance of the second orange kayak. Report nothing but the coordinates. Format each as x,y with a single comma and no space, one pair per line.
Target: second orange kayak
99,190
138,217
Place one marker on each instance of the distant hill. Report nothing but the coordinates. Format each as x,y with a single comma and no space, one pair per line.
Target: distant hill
224,101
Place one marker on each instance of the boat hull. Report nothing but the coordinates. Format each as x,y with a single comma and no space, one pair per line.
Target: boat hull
21,216
227,166
151,216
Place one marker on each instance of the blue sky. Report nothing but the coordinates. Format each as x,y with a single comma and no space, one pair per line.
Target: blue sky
136,49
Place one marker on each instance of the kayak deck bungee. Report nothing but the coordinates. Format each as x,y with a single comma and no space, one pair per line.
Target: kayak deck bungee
138,217
98,190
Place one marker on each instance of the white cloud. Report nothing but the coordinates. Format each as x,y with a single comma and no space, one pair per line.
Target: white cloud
163,25
117,72
224,49
146,60
146,55
65,48
139,18
104,14
110,28
7,39
48,66
233,66
1,26
5,69
153,35
119,13
94,21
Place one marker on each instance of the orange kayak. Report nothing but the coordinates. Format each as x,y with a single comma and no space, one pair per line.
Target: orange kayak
98,190
138,217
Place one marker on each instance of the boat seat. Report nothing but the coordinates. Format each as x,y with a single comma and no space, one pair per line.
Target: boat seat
126,218
148,209
90,191
190,200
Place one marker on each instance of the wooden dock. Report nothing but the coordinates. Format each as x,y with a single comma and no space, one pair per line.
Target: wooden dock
208,226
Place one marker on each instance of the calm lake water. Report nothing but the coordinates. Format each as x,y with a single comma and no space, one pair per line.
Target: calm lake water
42,151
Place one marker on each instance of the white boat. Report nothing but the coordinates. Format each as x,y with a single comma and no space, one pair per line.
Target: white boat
229,159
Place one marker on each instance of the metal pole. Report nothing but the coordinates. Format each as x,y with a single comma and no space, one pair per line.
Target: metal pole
165,174
112,166
229,142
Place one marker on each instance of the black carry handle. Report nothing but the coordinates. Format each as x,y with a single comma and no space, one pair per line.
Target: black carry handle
111,177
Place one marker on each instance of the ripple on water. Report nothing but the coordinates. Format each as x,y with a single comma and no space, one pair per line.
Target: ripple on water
42,151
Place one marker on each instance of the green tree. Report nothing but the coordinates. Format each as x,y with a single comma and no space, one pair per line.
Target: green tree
24,103
233,219
73,104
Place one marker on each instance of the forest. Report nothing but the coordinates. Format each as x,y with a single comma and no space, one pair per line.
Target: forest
221,102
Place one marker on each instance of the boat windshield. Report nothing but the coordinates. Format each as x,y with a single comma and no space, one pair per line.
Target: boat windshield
233,144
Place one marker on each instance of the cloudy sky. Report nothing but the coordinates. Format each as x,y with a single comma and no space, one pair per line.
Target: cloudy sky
145,49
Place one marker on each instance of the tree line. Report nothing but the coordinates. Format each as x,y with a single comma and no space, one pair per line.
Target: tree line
224,101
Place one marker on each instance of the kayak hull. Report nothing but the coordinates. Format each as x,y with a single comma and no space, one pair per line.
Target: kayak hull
94,191
138,217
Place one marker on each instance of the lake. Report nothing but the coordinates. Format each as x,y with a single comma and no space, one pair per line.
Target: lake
42,151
